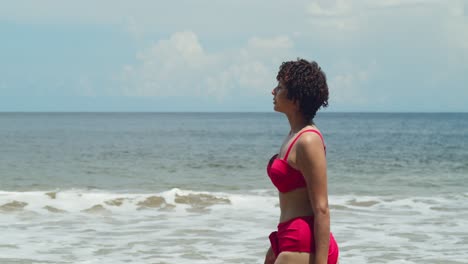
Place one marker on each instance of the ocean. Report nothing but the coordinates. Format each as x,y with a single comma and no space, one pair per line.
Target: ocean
192,187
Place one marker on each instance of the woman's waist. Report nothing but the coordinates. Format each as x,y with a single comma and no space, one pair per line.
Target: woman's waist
295,212
294,204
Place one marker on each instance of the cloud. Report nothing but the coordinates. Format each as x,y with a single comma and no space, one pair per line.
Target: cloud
332,15
180,66
272,44
354,16
403,3
329,8
414,30
348,83
146,16
235,47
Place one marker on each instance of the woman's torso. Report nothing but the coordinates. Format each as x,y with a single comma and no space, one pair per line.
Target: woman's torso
294,203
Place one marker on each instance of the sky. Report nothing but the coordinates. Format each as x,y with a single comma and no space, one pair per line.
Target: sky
223,55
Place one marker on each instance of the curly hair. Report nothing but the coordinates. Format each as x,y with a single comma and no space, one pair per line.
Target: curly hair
306,83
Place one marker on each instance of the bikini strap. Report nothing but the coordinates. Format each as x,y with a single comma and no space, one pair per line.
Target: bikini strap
297,137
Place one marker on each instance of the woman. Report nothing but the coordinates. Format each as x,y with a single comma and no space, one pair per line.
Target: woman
299,170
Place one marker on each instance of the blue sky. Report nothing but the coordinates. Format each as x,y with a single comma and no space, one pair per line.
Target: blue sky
386,55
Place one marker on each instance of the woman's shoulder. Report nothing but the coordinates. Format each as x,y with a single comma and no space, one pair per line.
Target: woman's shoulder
311,137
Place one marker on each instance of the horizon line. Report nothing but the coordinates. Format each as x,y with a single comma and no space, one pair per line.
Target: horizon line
226,112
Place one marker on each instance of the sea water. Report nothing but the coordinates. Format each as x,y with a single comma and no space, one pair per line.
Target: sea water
192,187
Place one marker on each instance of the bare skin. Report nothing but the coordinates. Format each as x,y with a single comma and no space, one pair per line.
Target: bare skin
308,156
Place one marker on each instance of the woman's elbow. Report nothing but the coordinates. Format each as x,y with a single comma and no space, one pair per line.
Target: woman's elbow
321,209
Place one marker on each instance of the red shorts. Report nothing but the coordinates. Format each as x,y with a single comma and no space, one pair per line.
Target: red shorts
296,235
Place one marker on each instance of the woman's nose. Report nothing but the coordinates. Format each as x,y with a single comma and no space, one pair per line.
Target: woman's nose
273,91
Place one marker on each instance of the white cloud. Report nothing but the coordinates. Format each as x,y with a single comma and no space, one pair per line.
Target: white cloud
428,27
180,66
332,15
357,15
149,16
414,38
348,84
401,3
280,42
330,8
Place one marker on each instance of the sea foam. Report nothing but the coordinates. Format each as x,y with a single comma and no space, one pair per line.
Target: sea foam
185,226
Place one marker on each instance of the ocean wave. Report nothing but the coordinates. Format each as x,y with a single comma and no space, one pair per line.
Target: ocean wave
101,201
169,225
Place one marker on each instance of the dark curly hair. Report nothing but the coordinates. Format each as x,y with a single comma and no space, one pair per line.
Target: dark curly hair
306,83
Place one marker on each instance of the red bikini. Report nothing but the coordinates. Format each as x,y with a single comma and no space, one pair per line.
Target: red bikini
282,175
295,235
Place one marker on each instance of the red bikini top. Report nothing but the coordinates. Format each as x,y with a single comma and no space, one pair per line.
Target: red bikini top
282,175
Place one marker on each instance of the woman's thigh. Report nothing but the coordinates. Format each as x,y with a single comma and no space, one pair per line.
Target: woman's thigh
286,257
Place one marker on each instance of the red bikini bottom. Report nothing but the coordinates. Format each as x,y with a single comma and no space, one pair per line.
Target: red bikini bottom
296,235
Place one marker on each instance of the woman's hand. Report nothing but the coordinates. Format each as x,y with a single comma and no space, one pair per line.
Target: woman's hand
270,257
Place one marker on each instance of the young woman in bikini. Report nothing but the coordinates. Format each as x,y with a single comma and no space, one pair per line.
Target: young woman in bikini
299,170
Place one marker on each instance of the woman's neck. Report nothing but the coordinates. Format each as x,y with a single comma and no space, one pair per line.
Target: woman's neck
298,122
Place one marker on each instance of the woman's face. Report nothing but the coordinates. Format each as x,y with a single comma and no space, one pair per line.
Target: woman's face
280,99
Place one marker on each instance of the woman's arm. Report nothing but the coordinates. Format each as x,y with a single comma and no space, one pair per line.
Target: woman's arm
270,257
311,160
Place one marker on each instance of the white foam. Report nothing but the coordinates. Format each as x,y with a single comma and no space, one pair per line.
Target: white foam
369,229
